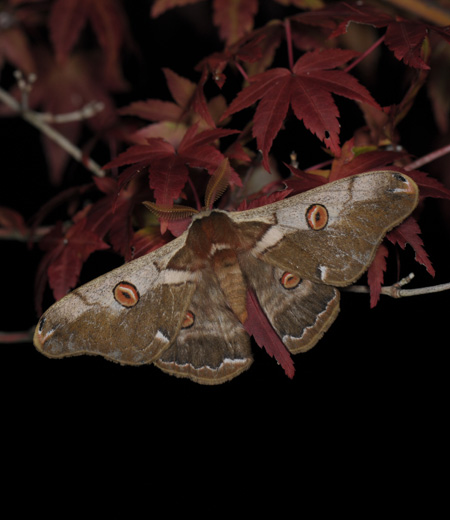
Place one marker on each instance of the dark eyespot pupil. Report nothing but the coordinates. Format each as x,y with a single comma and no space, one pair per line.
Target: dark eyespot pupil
126,295
400,177
41,324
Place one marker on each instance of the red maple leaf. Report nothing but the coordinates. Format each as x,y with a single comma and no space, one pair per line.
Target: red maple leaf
375,274
189,107
112,214
233,18
258,326
182,91
248,49
14,47
403,37
408,232
307,89
66,252
263,200
303,181
108,20
353,161
12,222
145,240
168,167
429,187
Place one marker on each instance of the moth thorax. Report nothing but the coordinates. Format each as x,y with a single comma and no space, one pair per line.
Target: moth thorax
231,281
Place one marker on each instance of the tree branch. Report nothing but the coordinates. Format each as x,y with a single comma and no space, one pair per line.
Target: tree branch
396,291
17,337
36,120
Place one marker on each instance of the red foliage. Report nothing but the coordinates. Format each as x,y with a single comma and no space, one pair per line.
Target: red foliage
66,252
258,326
288,73
307,89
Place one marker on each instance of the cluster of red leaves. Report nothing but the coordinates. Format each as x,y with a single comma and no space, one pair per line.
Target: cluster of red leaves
181,142
68,77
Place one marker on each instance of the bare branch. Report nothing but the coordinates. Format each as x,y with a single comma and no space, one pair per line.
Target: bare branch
432,156
89,110
396,291
17,337
16,234
35,119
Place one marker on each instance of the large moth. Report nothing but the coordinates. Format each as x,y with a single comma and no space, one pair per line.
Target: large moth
183,306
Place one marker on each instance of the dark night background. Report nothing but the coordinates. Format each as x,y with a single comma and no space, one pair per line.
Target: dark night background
374,380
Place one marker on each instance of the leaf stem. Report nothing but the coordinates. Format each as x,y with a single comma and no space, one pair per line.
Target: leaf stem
396,291
198,204
36,120
432,156
364,54
241,70
287,28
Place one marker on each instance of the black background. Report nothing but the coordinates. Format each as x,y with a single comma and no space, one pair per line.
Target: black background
369,396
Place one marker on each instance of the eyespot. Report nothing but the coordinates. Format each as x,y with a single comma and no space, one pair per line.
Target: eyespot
188,321
126,294
289,280
317,216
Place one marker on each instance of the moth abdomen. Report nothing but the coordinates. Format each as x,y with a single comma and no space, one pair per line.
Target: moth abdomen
231,281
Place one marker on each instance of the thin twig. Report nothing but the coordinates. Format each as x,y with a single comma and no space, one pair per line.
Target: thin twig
35,120
17,337
287,28
396,291
86,112
364,54
19,236
425,159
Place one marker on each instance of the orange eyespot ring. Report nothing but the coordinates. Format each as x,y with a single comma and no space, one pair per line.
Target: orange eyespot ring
290,281
126,294
317,216
188,320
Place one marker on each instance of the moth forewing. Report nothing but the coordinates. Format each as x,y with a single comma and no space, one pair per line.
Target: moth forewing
354,215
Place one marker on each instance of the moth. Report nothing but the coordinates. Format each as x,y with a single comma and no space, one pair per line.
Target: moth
183,307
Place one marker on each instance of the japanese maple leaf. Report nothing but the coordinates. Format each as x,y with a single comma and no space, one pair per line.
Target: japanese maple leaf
14,49
12,222
307,89
108,20
255,47
375,274
353,160
182,91
403,37
66,252
258,326
233,17
168,166
189,107
408,232
111,215
263,200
